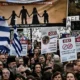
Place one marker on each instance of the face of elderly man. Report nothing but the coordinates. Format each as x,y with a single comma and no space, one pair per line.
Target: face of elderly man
3,58
5,74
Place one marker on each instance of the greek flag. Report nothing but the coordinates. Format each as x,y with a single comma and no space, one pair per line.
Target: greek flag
4,36
16,42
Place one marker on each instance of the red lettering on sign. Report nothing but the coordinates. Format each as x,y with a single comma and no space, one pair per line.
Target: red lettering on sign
52,33
66,40
77,39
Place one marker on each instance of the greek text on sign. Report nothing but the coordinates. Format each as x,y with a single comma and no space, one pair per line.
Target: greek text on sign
67,49
52,33
66,40
73,18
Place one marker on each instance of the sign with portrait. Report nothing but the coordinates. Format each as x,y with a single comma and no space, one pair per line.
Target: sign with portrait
49,40
48,45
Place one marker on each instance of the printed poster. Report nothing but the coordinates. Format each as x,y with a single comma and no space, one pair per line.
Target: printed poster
24,49
40,14
77,39
67,49
49,40
48,45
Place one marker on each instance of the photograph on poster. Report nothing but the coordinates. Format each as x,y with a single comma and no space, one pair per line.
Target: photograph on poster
48,12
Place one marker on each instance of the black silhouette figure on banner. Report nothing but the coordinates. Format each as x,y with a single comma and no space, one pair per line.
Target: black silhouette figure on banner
35,14
23,14
46,17
13,16
4,18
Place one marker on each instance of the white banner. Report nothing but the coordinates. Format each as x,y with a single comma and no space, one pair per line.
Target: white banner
67,49
24,51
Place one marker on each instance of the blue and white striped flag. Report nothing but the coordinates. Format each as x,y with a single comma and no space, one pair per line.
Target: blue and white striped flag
4,36
16,42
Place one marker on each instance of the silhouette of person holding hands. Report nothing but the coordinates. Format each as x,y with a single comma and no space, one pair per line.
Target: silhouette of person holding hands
35,16
23,14
13,16
46,17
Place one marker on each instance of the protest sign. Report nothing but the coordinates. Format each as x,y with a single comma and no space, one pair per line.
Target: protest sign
49,40
67,49
24,47
48,45
77,44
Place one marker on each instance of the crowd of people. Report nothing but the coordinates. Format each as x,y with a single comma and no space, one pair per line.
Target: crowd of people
37,66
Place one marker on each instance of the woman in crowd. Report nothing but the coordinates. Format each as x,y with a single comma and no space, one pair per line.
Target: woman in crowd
31,63
57,76
70,76
48,57
37,73
30,78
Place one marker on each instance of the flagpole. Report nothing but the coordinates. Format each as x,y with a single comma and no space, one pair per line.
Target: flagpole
31,34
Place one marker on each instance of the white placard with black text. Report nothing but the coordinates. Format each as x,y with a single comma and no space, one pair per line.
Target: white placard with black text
67,49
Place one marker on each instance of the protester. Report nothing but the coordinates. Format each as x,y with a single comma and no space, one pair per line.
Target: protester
78,69
6,74
57,76
37,73
70,76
